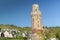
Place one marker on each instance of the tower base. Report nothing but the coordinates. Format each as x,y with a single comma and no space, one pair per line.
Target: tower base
37,35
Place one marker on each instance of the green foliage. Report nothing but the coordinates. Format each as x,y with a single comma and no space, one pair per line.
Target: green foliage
52,32
21,38
58,35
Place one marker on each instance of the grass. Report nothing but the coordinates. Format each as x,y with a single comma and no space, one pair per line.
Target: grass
21,38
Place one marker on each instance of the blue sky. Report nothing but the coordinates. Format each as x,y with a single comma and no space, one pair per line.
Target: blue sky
18,12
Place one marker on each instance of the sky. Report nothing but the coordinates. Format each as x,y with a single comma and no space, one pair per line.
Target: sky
18,12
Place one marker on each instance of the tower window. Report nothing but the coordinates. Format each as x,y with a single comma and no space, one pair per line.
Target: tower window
38,23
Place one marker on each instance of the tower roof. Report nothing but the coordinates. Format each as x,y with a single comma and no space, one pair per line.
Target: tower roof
35,9
35,5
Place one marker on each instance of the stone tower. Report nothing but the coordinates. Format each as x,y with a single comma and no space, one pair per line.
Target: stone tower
37,30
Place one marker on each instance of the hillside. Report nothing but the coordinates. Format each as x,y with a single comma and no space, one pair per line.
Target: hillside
7,26
50,32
